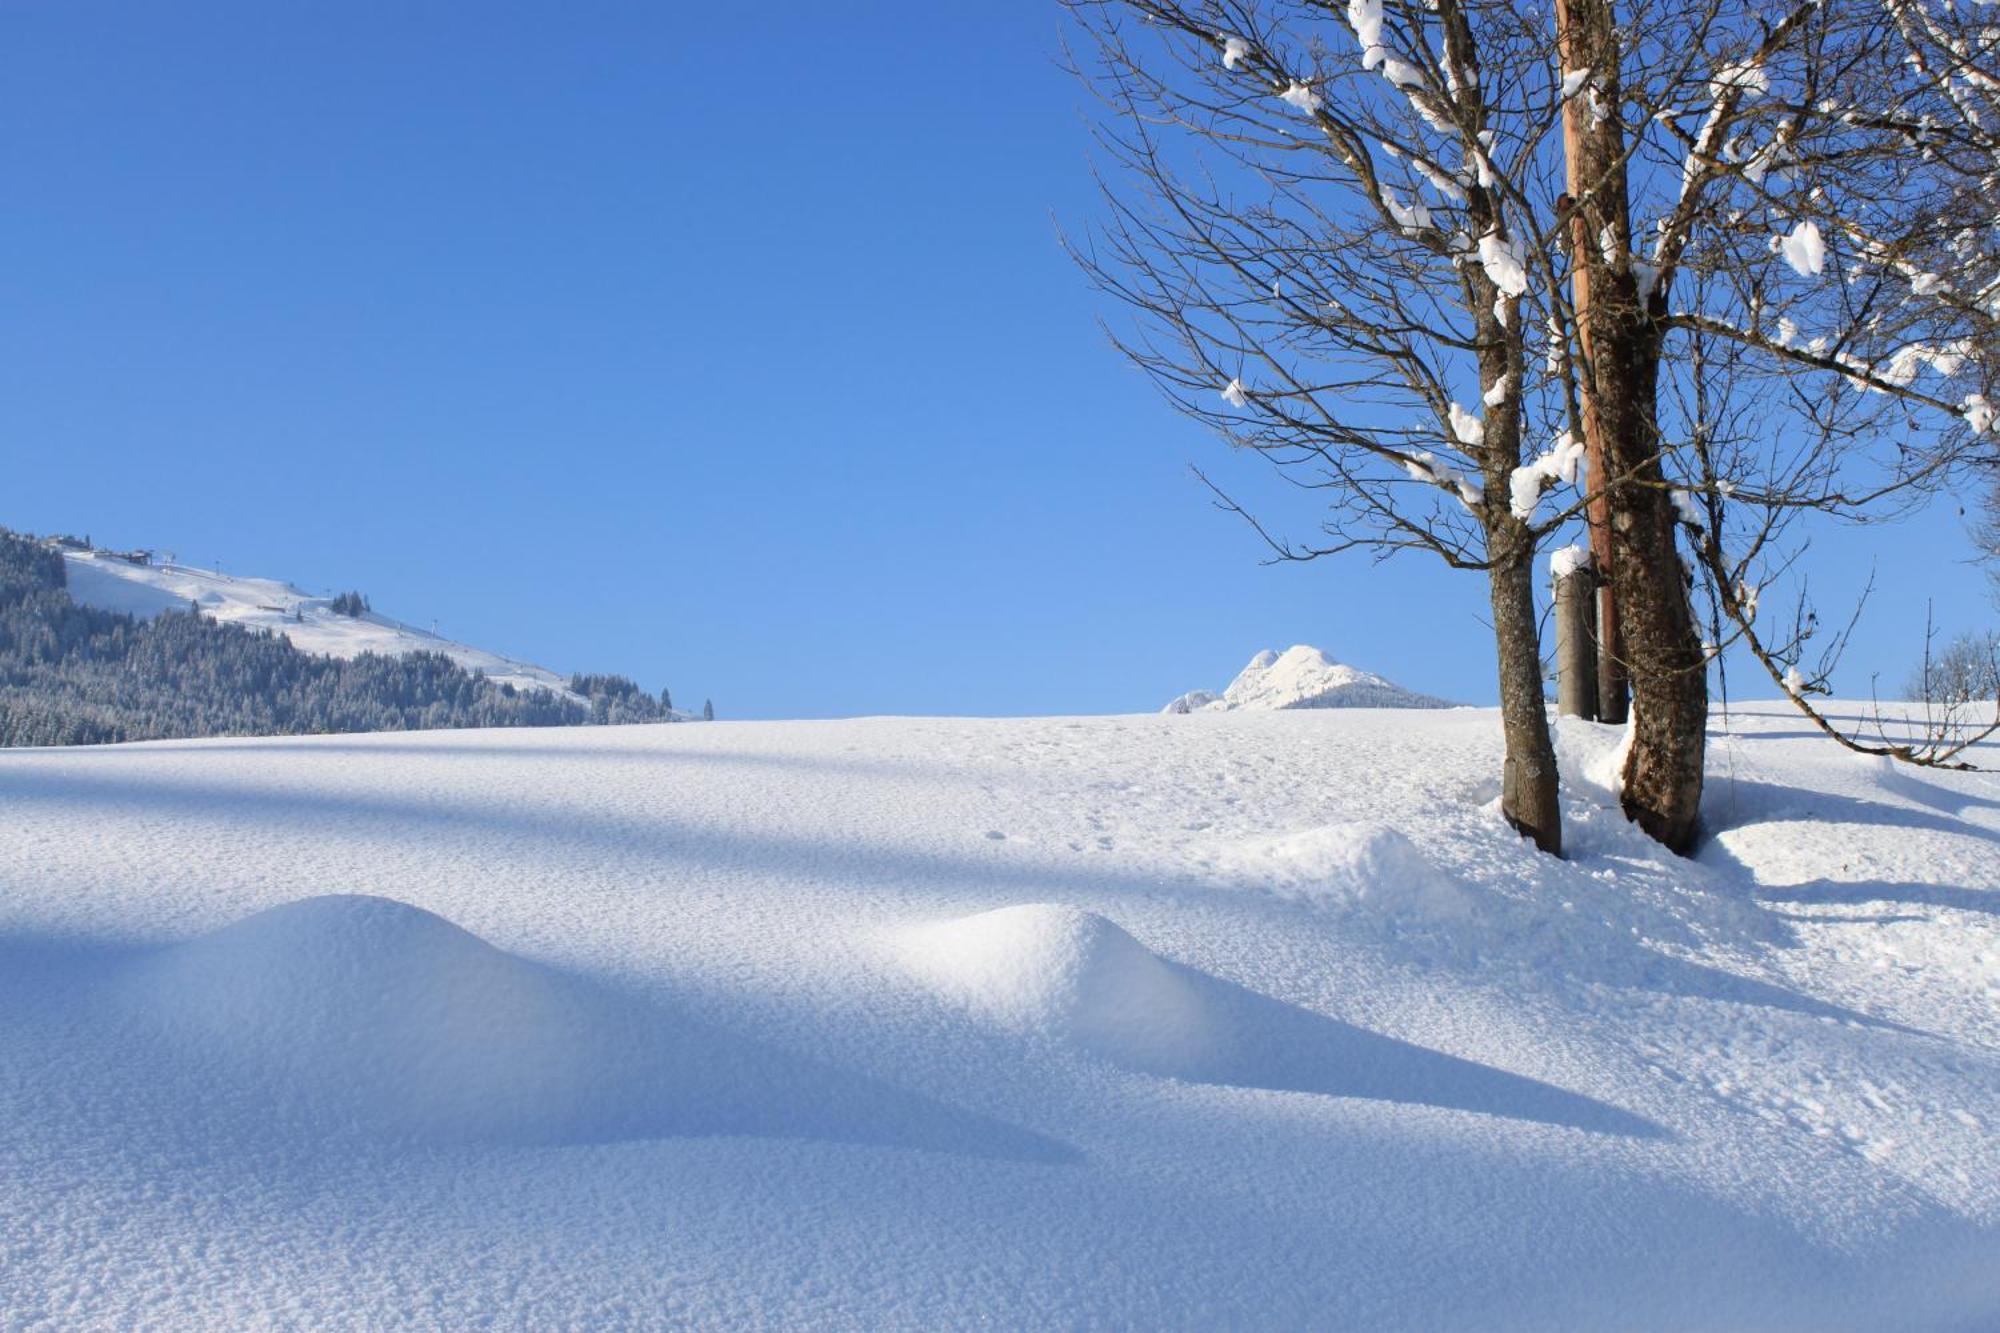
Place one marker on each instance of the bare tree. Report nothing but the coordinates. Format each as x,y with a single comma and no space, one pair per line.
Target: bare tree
1338,223
1354,227
1965,671
1842,319
1334,264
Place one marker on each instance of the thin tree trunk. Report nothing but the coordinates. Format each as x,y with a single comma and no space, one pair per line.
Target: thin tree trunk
1528,782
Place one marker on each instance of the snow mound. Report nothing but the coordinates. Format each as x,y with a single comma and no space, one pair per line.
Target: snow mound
1069,975
1362,867
351,1014
1303,677
1592,757
369,1012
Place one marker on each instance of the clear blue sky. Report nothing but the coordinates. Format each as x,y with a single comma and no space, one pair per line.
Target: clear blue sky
729,349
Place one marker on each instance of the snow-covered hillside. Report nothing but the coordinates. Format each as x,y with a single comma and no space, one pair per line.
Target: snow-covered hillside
114,584
1249,1019
1302,677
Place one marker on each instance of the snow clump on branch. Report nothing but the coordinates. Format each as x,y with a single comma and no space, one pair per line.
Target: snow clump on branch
1502,263
1423,466
1528,481
1301,96
1804,250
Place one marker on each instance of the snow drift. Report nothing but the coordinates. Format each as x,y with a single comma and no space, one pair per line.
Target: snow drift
1072,977
350,1013
366,1011
1303,677
1065,973
1364,866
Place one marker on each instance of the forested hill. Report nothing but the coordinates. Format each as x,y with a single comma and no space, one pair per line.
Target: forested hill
76,675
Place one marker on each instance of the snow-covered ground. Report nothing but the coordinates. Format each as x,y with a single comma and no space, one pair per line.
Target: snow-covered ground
1302,677
1250,1019
105,581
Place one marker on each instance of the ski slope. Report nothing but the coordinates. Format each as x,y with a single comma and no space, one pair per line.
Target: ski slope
113,584
1240,1019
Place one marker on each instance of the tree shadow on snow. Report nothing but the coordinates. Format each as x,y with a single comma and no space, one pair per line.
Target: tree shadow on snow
657,842
560,743
1255,1041
1696,981
1861,893
1742,802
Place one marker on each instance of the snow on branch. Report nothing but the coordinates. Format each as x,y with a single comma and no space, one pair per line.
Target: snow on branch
1804,249
1558,464
1425,467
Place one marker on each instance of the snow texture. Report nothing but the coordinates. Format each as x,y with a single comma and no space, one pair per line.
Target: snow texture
1234,395
1234,50
1248,1019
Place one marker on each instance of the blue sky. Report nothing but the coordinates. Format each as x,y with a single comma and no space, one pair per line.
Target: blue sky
730,351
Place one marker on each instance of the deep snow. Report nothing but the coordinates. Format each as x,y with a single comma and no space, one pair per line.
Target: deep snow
112,584
1246,1018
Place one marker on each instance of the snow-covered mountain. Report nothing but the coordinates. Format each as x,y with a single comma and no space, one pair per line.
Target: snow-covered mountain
143,589
1303,677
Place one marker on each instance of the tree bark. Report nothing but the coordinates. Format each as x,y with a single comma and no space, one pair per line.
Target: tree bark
1653,621
1528,780
1669,673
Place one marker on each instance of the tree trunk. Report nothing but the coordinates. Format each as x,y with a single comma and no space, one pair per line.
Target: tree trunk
1576,644
1528,781
1584,41
1652,623
1663,771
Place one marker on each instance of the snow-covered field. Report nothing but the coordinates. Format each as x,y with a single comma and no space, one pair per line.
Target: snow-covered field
112,584
1252,1019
